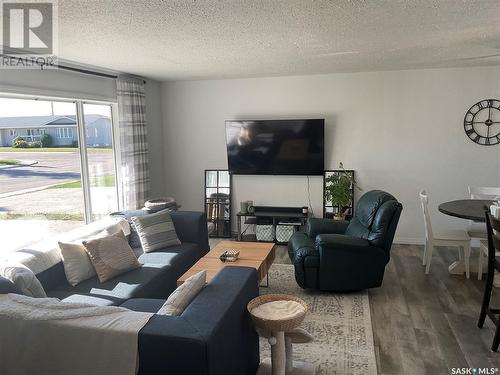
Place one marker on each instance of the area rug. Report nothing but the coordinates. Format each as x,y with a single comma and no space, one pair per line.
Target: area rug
340,323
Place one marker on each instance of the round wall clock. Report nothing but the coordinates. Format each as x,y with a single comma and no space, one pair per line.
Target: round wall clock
482,122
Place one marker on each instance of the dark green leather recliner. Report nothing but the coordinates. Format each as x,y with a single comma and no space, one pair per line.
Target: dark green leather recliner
345,256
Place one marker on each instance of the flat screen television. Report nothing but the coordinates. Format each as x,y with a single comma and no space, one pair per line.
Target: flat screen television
276,147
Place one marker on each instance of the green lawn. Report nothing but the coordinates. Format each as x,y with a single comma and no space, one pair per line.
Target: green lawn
9,161
52,149
105,181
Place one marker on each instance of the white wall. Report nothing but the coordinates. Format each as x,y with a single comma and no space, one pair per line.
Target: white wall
401,131
67,84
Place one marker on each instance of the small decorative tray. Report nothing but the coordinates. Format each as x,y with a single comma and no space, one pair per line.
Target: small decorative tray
230,255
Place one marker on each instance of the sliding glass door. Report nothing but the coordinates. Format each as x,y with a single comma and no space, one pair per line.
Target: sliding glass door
57,167
99,159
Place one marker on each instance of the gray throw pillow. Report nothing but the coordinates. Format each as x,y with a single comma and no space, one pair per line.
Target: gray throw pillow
156,231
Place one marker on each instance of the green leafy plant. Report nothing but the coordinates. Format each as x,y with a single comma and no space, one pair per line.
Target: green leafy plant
338,188
46,140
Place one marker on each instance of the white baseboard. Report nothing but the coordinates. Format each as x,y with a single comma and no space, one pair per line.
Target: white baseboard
409,240
421,241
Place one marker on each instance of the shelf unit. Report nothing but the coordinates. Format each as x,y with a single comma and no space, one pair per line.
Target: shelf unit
270,215
217,201
329,211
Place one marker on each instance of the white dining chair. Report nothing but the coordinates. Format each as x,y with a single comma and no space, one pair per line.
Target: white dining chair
451,238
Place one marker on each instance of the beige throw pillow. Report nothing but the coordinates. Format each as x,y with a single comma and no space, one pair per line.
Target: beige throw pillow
76,262
183,295
111,255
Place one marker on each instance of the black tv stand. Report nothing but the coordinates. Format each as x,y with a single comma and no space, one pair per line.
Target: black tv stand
277,215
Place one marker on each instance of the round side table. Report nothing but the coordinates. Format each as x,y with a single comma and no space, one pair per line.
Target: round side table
281,334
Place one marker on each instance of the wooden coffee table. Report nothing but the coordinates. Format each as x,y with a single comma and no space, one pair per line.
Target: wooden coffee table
259,255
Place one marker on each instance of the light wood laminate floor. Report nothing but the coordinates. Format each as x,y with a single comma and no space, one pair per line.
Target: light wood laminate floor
427,324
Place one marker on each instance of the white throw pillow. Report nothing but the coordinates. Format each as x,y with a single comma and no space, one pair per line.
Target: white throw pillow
183,295
77,264
24,279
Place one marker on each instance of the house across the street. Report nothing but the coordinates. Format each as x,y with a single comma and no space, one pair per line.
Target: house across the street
62,129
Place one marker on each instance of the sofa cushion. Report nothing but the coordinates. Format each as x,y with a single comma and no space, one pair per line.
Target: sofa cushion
181,256
143,304
157,278
7,286
122,287
92,299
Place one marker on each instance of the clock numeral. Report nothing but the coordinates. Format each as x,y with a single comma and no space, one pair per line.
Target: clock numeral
480,105
498,138
470,131
477,138
487,141
489,103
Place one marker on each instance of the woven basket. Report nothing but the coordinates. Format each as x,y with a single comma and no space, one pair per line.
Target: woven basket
277,325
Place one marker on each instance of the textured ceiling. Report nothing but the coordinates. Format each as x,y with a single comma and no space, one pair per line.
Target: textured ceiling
200,39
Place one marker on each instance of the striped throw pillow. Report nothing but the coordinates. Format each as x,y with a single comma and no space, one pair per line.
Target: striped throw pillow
183,295
156,231
111,255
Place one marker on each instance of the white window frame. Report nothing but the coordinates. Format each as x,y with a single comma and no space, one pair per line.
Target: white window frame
82,144
64,133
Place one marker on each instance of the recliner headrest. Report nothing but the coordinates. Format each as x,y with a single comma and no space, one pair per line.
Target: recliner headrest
369,204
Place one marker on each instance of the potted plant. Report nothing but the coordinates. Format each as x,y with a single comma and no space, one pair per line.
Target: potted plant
338,190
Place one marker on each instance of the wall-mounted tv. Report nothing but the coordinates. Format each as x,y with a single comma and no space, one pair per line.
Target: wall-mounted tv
276,147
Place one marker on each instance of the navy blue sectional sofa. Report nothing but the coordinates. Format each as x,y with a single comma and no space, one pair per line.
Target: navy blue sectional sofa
157,278
213,336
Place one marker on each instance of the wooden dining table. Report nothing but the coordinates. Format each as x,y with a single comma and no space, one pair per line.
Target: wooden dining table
470,209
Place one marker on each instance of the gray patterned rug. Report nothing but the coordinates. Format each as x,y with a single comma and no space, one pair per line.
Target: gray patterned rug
340,323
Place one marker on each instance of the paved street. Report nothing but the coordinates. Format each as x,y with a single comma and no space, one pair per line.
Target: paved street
52,168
